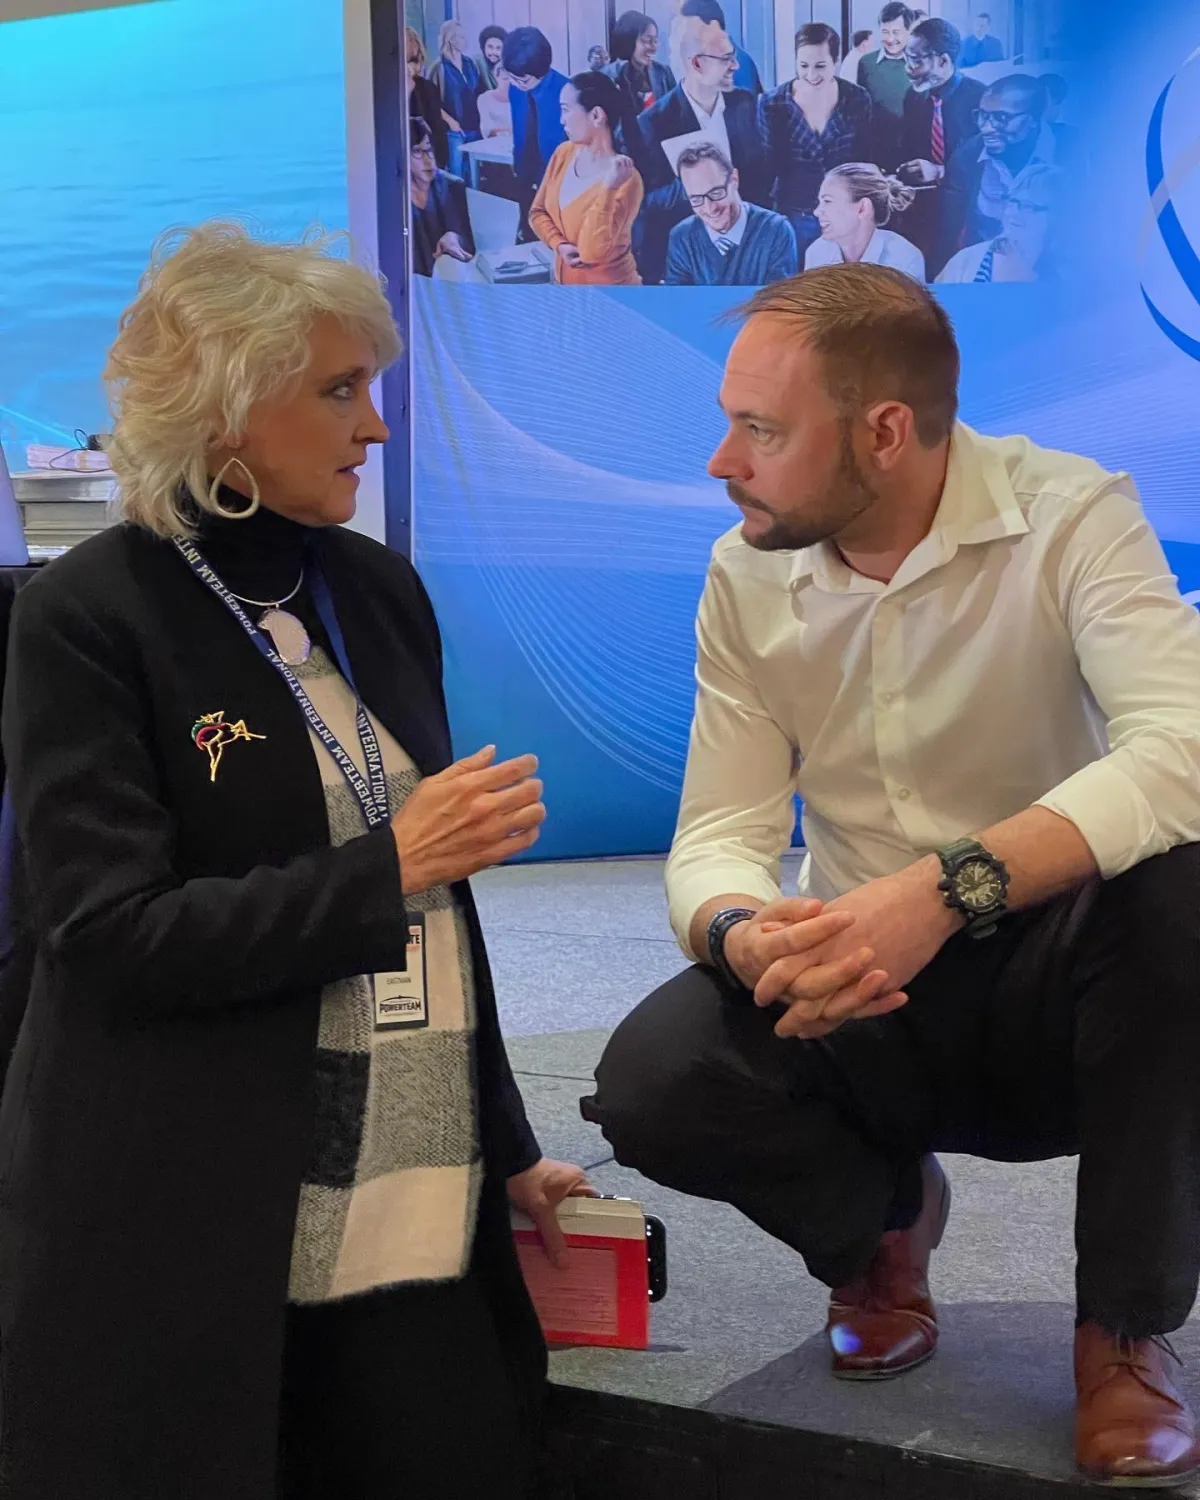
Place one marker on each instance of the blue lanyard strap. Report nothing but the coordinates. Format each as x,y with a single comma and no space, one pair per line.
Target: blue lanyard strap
371,791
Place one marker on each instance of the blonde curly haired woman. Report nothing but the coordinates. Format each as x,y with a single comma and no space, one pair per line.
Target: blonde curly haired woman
259,1134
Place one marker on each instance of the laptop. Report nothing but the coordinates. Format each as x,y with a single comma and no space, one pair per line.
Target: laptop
13,551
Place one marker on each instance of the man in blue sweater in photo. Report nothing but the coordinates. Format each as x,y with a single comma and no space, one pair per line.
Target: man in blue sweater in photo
726,242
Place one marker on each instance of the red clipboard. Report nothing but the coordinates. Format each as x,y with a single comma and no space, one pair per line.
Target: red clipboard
602,1298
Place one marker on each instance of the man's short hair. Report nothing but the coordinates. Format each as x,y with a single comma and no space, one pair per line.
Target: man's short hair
859,38
983,16
527,53
895,11
943,39
692,156
879,335
1032,89
707,11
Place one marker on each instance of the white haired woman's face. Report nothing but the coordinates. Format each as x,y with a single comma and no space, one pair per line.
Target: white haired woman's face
304,446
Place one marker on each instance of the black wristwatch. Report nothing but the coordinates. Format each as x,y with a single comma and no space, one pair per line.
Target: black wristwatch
718,930
975,884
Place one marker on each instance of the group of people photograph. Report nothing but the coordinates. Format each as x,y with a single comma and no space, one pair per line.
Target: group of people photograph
670,161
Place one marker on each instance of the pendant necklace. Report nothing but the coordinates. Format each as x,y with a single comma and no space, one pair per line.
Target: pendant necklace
287,633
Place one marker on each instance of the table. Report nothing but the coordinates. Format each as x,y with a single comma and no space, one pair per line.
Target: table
446,268
494,221
497,148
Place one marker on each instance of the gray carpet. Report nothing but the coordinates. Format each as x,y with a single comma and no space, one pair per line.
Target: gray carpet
740,1331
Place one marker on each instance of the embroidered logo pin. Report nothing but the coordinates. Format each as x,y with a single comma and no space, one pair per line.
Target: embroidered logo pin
212,732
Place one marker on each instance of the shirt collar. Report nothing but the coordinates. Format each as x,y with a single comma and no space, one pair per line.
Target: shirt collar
977,505
738,233
701,113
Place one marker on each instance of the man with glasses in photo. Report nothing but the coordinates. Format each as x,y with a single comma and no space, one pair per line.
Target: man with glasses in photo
726,242
705,103
939,115
1012,134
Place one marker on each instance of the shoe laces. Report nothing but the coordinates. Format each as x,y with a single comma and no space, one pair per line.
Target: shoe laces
1130,1354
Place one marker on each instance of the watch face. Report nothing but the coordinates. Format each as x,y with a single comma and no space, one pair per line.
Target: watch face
978,886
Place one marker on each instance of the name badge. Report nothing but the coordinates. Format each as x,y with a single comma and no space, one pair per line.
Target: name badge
401,996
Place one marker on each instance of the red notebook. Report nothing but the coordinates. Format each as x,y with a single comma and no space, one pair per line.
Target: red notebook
603,1296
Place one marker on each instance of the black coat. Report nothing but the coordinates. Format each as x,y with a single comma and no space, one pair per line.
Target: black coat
960,99
425,103
157,1116
929,222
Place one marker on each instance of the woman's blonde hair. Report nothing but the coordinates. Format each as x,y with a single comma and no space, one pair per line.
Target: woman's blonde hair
445,31
888,195
221,321
414,47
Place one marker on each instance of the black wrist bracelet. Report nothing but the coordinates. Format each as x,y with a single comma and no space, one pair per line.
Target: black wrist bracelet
718,931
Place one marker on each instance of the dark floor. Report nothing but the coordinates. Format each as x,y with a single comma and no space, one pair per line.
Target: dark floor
576,946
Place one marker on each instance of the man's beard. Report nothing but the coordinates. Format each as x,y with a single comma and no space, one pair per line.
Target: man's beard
849,494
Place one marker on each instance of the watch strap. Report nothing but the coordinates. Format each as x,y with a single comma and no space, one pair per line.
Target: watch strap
718,930
955,854
953,857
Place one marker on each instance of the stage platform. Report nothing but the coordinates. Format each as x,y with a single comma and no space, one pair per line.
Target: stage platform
734,1400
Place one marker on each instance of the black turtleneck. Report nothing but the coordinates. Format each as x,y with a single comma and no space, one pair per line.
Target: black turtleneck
261,558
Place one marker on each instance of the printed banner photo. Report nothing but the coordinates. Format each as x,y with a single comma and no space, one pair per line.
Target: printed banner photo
651,151
594,193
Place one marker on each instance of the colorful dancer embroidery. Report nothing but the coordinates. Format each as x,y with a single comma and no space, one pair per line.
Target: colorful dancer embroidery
211,733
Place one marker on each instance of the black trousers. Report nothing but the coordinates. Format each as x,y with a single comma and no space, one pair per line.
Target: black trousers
1075,1028
403,1393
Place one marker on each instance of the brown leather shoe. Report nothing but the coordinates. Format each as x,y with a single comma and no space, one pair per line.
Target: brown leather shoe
885,1323
1132,1424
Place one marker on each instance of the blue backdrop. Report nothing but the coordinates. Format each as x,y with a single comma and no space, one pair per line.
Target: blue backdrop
117,124
561,511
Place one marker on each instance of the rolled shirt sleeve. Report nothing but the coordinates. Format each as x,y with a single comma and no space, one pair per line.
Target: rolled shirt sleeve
738,810
1138,644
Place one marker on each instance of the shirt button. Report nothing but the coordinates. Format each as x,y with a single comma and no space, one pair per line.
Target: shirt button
904,794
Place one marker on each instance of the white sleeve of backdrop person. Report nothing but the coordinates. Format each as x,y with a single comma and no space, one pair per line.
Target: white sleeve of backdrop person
363,220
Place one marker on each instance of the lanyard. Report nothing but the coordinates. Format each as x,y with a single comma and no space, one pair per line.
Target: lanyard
371,790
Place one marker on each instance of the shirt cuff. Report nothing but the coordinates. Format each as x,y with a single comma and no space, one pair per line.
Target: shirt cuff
688,890
1110,810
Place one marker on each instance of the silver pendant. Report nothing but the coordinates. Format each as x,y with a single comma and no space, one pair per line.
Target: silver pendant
288,636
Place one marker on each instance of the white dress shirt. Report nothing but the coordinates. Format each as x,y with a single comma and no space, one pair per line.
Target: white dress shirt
712,123
1033,649
884,248
849,67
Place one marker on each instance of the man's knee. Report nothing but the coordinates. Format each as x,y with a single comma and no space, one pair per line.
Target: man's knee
656,1079
1155,907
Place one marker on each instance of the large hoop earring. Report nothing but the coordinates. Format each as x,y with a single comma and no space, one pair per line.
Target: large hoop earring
214,489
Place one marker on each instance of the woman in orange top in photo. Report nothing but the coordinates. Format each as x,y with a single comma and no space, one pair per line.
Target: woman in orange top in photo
591,193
